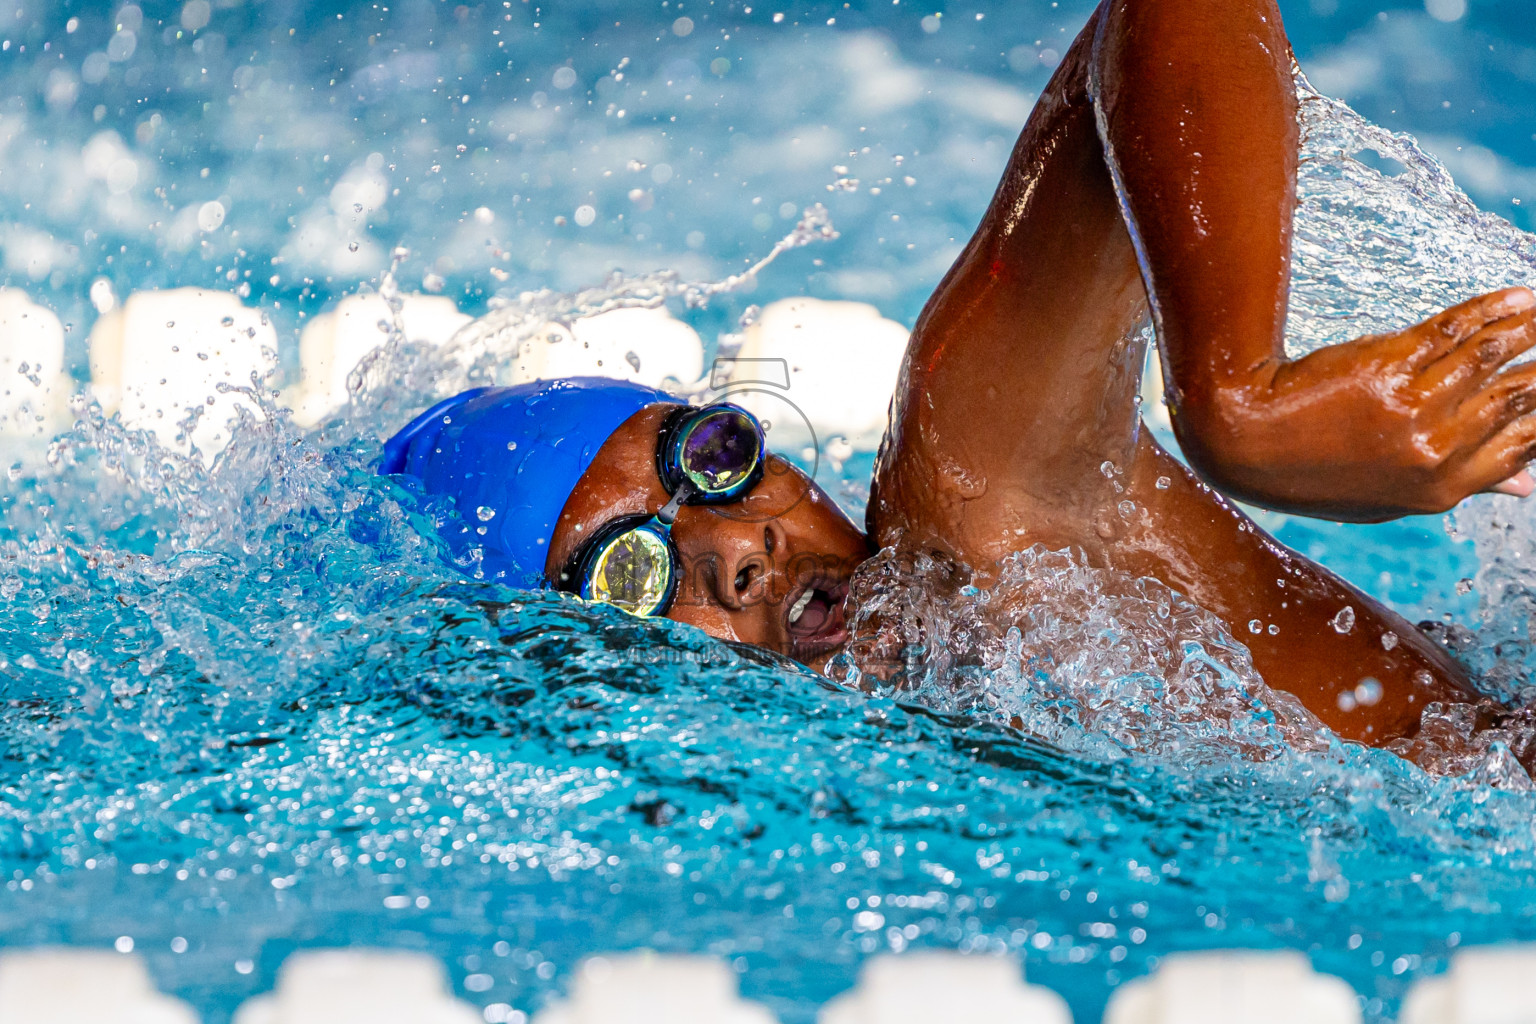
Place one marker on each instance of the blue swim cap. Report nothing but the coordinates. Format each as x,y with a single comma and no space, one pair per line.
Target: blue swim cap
510,458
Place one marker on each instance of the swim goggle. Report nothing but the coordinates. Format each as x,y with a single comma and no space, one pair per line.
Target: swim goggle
704,456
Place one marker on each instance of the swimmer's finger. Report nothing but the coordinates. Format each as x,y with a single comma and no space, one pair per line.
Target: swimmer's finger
1509,397
1439,334
1477,358
1505,457
1521,485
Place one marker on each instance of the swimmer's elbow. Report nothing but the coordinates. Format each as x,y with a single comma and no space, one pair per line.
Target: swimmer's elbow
1215,452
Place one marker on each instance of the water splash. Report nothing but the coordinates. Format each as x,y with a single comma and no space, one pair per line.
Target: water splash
398,379
1093,660
1384,237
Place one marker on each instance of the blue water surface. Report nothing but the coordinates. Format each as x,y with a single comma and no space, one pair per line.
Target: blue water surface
250,709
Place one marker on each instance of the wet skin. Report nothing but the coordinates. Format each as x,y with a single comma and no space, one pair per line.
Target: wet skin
745,566
1015,420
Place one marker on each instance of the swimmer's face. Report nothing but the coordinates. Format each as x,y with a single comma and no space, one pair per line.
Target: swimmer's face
771,569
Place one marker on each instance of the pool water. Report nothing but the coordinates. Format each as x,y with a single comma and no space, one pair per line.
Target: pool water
251,709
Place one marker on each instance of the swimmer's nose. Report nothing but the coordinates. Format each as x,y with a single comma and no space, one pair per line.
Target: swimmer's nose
760,575
738,559
748,584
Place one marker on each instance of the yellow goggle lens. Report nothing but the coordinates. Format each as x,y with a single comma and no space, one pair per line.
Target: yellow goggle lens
633,572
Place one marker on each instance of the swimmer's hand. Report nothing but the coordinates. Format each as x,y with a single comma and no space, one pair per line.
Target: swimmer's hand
1381,427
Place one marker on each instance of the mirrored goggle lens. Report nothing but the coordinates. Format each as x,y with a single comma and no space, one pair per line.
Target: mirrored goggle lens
633,571
720,450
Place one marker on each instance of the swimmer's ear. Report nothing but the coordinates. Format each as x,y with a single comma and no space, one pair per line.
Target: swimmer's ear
1521,485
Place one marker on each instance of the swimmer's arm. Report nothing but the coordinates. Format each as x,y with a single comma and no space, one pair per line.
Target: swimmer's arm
1197,110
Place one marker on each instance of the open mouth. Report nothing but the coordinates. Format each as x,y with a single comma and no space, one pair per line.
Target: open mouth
815,620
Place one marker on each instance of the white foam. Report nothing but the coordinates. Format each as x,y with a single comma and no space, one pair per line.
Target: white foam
645,988
1223,987
1483,986
358,986
645,345
161,352
34,389
929,988
67,986
336,341
843,359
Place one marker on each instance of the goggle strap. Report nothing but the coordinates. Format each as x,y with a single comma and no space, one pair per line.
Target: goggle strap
668,511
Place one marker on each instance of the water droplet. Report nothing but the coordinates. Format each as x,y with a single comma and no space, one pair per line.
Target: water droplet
228,321
1274,630
1255,626
14,473
485,513
1127,509
633,360
351,247
1163,483
1388,640
1368,692
1346,701
1463,586
511,446
1345,620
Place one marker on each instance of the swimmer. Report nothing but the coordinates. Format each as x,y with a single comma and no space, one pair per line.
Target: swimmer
1156,176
